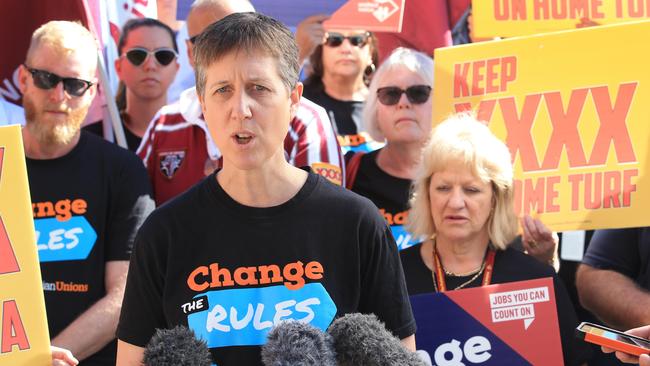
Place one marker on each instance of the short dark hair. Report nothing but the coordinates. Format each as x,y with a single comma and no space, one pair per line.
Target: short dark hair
133,24
248,32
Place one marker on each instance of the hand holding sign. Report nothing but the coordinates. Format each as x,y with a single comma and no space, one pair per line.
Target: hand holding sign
62,357
309,34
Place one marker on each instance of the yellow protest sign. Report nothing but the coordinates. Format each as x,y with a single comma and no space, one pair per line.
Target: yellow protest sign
24,338
573,109
508,18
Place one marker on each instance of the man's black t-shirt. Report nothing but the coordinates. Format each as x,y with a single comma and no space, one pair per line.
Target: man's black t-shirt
132,140
510,265
345,115
87,206
626,251
230,272
390,194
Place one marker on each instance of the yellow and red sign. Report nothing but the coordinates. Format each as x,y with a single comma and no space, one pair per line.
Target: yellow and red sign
370,15
508,18
573,109
24,338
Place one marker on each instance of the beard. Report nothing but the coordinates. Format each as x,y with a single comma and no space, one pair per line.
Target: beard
48,132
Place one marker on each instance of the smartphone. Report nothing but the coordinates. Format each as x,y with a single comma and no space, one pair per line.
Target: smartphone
603,336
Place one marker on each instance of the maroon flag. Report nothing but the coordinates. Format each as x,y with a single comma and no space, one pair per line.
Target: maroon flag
18,20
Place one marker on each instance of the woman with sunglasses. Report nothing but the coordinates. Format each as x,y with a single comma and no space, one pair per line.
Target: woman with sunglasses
397,111
340,72
146,67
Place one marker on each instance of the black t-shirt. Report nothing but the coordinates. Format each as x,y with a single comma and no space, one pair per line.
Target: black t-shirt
132,140
87,208
345,115
510,265
626,251
230,271
390,194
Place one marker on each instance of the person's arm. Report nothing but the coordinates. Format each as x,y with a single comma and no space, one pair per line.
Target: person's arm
128,354
96,326
612,297
605,280
644,360
409,343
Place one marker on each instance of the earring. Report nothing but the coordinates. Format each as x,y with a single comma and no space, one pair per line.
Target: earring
370,69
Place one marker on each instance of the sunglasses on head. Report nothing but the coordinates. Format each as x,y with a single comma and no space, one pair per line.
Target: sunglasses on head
416,94
46,80
336,39
137,56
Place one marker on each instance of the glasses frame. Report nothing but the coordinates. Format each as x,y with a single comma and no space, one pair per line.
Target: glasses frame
149,53
38,76
340,38
381,97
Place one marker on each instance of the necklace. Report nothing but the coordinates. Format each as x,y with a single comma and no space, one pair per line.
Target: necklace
438,273
453,274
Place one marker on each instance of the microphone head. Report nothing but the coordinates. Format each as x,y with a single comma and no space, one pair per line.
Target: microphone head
295,343
177,346
361,339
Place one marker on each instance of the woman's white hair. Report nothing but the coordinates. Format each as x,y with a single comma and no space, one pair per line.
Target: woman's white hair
401,57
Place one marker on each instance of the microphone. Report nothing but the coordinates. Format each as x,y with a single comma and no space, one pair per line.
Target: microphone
177,346
361,339
295,343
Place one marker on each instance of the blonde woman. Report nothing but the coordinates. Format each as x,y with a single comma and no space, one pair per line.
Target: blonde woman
463,204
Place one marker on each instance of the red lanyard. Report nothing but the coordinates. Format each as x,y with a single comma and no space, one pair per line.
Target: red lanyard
440,273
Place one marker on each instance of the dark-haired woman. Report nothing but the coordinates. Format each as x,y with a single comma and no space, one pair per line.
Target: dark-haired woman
341,68
146,67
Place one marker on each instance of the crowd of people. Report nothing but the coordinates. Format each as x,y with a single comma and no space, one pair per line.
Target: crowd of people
277,198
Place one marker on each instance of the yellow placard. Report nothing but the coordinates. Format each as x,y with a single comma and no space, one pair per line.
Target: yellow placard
573,109
508,18
24,338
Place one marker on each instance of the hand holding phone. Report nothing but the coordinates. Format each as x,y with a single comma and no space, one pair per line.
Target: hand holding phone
628,346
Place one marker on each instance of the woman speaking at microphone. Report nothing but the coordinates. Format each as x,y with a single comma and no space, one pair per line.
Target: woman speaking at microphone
259,240
463,203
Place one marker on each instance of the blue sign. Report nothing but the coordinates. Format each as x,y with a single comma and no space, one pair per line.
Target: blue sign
64,240
244,317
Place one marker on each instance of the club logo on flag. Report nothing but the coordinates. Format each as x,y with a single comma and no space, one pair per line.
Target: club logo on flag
170,161
380,9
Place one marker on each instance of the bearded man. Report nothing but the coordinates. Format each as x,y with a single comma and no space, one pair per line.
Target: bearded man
89,196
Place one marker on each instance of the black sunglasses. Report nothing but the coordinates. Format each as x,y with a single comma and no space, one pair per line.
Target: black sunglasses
336,39
137,55
416,94
46,80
